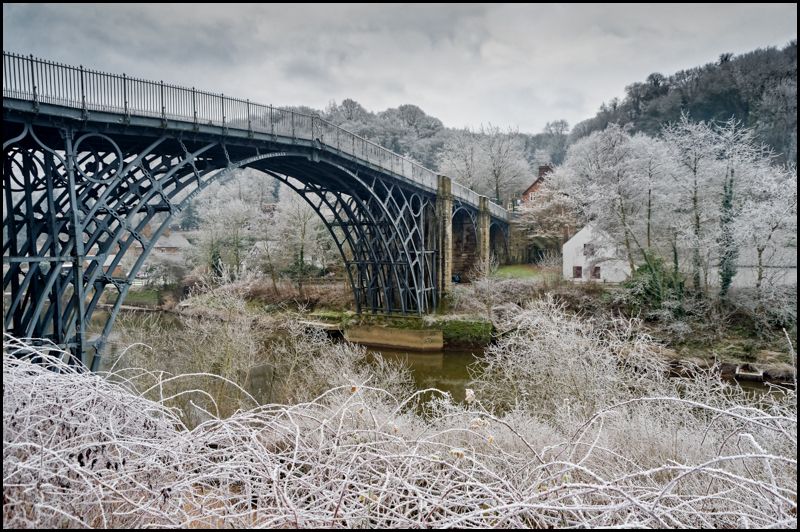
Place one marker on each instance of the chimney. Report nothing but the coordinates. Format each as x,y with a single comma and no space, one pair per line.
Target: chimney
544,170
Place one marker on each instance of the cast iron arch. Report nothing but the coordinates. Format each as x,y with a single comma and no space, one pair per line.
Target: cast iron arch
57,280
463,266
502,229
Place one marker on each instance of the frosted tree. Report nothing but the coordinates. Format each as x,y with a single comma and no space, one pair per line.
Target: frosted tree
295,225
491,161
740,159
599,176
768,218
463,158
556,136
693,148
226,223
652,168
229,215
549,214
508,170
656,230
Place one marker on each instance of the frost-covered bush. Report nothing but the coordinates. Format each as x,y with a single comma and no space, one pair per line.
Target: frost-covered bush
287,360
480,296
307,363
88,450
775,306
547,361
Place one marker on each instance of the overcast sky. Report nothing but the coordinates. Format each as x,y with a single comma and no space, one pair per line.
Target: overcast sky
511,65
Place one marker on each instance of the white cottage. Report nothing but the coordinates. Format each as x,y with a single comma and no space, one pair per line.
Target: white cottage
591,255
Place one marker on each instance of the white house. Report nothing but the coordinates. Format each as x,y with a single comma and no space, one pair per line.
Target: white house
591,255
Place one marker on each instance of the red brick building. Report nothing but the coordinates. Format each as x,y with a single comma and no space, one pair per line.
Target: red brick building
537,183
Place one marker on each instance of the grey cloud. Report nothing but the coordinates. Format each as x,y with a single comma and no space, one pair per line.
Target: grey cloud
513,65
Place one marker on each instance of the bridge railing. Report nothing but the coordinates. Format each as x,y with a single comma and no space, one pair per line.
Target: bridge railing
465,194
42,81
497,211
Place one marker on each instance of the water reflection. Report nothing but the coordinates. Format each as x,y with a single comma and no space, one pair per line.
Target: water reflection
445,370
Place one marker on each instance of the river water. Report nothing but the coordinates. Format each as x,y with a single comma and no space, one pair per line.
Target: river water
446,370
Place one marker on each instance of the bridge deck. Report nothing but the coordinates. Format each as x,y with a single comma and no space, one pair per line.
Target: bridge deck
36,82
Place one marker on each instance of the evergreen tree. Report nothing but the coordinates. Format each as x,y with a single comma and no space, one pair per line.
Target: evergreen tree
728,250
190,220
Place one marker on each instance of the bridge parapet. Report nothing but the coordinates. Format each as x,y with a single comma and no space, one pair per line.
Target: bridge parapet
41,81
497,211
465,194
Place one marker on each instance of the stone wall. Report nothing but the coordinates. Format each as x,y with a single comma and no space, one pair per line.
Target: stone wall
465,246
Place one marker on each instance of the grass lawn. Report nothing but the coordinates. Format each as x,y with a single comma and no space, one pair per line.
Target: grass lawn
142,298
518,271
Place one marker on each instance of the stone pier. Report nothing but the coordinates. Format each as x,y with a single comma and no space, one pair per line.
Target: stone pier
484,235
444,216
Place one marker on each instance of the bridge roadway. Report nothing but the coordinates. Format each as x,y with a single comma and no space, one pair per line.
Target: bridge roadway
100,156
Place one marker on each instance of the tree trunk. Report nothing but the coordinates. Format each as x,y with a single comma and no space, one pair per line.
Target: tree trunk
627,238
727,242
302,272
649,213
676,274
696,262
272,274
759,270
236,253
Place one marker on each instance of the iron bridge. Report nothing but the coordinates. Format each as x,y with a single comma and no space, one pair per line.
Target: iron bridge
90,159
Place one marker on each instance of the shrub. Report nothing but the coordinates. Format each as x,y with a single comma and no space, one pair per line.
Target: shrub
81,449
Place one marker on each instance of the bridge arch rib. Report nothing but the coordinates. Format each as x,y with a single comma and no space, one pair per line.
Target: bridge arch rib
499,241
110,190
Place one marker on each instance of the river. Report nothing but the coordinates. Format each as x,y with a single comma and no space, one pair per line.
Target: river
446,370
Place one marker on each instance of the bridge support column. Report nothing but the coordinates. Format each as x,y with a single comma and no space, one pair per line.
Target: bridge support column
444,217
484,244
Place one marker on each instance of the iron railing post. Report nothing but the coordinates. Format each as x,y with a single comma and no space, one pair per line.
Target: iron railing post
163,106
125,94
222,101
33,84
292,114
85,111
194,107
271,121
249,122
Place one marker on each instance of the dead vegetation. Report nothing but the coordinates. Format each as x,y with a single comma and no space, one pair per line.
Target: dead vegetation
568,425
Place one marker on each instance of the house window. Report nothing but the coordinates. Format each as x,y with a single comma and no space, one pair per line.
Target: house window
588,250
530,196
577,272
596,272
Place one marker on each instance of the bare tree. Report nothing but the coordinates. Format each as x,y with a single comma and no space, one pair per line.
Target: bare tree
295,227
463,158
508,169
693,146
769,218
